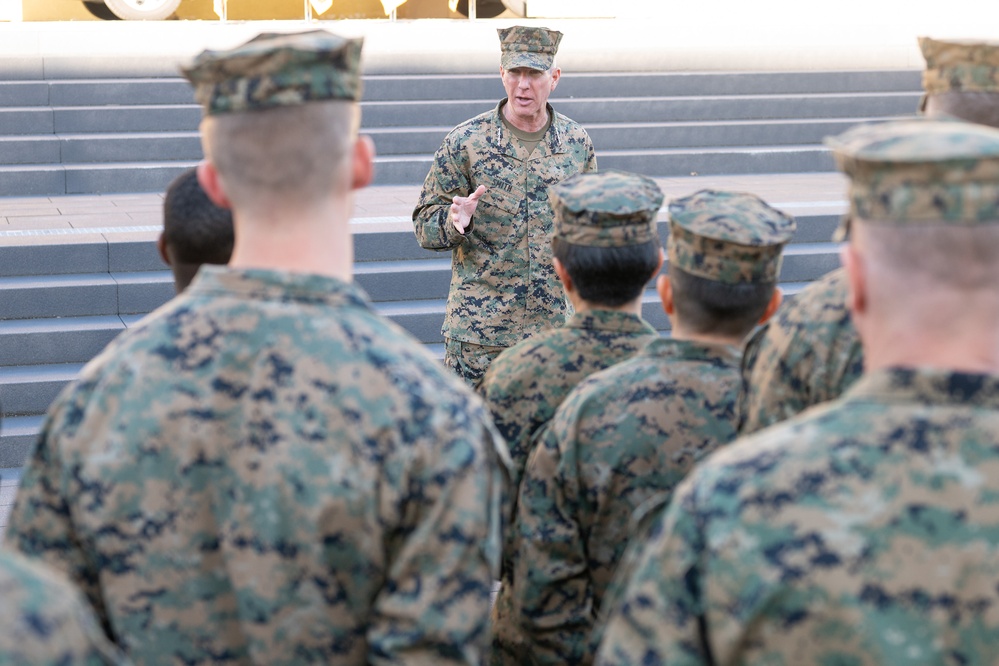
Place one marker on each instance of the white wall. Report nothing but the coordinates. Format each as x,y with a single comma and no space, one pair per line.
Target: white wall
10,10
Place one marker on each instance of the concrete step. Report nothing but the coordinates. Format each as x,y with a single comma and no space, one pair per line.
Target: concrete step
29,390
175,90
53,256
56,340
186,146
659,109
17,439
407,113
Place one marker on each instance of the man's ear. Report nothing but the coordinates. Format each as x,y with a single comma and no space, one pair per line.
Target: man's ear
556,75
162,247
856,278
363,171
562,274
775,300
665,288
659,266
210,182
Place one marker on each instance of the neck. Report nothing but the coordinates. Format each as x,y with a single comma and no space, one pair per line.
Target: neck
960,346
535,123
581,306
679,332
314,240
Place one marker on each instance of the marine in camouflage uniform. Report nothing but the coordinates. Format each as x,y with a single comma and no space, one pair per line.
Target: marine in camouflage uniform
503,287
44,620
862,531
810,353
807,354
264,470
604,223
631,433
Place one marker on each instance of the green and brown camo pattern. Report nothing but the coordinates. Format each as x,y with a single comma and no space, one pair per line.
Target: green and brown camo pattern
623,436
503,287
266,471
862,532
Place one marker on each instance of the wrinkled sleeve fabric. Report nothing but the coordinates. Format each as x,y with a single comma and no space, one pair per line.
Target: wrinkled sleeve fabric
552,585
41,524
448,178
660,617
434,605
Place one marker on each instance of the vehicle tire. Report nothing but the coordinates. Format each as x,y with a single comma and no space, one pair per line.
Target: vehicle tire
143,10
518,7
100,10
483,8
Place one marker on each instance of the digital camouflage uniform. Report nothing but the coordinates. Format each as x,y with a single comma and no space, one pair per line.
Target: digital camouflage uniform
808,353
44,620
862,531
503,287
266,471
527,382
632,432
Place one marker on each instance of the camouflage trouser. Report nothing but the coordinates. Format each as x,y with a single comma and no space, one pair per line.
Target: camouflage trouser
469,360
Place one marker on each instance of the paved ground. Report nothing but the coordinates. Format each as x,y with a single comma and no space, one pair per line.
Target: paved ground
28,219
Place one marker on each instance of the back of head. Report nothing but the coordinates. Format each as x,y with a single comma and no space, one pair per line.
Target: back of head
961,79
195,230
605,234
281,116
724,255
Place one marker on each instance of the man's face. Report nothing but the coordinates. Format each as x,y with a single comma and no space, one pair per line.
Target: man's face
527,91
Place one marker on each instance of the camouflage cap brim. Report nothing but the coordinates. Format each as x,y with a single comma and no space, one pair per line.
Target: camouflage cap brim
530,47
606,209
273,70
967,66
729,237
921,171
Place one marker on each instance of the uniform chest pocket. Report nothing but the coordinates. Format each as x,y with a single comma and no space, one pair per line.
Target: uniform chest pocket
501,196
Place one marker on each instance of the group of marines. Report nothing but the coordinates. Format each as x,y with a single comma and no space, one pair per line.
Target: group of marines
266,471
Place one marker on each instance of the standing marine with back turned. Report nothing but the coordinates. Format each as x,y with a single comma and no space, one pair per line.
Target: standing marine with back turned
264,470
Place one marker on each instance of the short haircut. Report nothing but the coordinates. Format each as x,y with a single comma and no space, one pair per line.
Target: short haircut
973,106
283,156
195,229
608,276
926,256
711,307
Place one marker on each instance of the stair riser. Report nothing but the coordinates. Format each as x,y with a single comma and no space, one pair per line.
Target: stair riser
573,84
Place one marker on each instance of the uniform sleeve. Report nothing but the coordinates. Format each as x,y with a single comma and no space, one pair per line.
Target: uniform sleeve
45,620
41,523
591,156
446,180
552,586
433,607
661,614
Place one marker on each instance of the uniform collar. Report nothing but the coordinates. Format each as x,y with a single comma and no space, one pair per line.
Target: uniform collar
550,144
928,386
689,350
265,284
609,320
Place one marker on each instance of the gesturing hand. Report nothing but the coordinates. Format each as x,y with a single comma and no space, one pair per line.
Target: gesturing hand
462,209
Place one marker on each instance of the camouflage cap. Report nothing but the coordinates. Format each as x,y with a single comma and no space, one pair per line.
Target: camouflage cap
606,209
920,171
524,46
729,237
273,70
967,66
